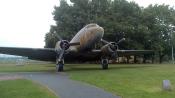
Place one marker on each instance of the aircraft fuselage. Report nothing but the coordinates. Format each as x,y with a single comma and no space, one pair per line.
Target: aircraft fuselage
87,36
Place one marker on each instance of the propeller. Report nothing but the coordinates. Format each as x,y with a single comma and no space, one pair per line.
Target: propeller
112,46
107,42
64,45
121,40
54,33
61,55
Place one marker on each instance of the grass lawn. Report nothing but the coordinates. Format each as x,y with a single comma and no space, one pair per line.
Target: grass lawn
128,81
23,89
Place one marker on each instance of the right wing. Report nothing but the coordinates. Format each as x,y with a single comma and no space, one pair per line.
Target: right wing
49,54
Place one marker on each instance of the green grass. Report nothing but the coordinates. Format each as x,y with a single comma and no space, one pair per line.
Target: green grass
23,89
27,68
128,81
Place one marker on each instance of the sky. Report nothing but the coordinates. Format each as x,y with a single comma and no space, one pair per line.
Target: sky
24,23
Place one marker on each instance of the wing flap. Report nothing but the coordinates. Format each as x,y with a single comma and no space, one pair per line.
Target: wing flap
134,52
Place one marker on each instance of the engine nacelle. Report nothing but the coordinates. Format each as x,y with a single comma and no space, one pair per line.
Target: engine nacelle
62,45
109,50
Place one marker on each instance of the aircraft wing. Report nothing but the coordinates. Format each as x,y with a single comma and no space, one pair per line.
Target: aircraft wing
44,54
48,54
96,55
134,52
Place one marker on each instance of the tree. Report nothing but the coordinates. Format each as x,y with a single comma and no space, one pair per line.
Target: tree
143,28
159,21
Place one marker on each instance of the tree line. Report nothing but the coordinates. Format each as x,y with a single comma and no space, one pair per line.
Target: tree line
150,28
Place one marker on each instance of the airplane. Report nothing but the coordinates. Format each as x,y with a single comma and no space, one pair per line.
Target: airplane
80,48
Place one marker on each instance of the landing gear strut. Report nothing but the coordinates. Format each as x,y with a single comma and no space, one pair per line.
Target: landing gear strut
104,63
59,65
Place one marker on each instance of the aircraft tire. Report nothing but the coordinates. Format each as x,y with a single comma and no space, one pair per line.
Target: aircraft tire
104,64
59,66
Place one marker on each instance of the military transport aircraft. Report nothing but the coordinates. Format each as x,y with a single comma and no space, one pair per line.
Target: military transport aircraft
80,48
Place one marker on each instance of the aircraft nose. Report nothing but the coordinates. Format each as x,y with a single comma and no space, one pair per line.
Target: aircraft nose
98,31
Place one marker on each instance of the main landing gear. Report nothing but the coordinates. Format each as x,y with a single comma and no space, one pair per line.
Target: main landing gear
59,65
104,63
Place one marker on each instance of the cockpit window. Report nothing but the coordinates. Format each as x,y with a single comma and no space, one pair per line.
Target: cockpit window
91,25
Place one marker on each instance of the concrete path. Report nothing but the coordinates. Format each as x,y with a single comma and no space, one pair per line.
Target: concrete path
64,87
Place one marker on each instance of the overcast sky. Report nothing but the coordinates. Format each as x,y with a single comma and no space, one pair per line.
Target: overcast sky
23,23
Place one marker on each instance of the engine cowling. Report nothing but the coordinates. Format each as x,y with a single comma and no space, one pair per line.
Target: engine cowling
62,45
109,50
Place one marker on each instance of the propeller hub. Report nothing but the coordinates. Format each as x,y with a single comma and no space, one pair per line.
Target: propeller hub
64,44
113,46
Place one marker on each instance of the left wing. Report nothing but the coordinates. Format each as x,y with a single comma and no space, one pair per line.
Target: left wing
44,54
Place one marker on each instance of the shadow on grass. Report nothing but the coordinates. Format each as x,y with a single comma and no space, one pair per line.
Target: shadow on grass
93,67
81,69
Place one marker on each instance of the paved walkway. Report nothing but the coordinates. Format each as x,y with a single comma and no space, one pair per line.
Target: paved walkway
64,87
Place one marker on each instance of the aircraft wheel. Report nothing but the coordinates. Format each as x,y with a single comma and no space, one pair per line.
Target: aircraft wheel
104,63
59,66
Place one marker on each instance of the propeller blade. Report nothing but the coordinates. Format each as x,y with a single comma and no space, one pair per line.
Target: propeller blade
104,41
120,40
74,44
57,36
61,55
